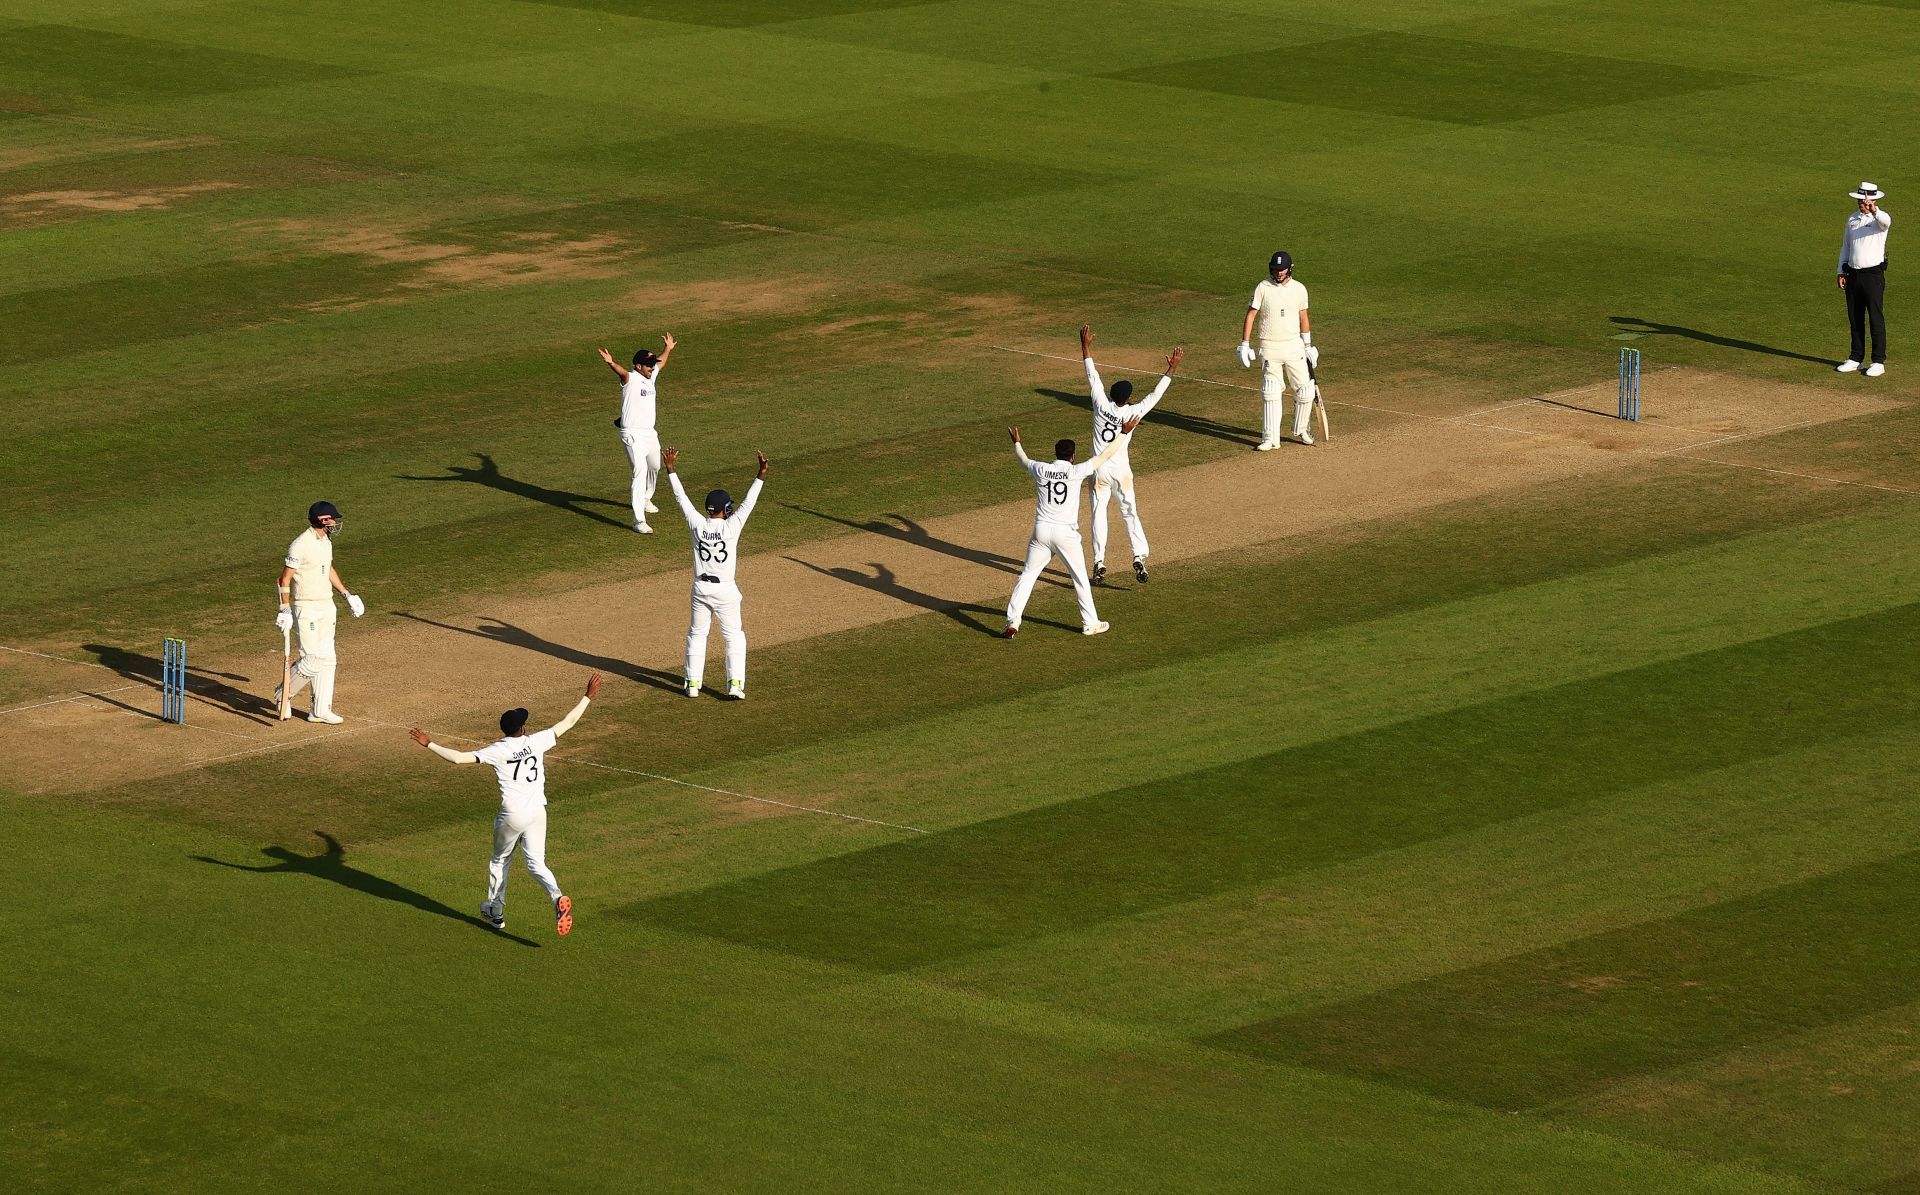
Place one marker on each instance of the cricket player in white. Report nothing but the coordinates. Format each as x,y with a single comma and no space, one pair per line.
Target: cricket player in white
716,552
520,762
307,583
638,431
1277,320
1056,526
1116,476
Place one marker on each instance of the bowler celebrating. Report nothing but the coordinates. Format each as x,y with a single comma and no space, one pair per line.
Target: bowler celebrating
519,761
1056,526
1109,412
716,551
638,434
1277,318
307,582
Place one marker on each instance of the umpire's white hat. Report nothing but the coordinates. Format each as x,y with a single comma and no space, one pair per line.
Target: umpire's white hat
1868,191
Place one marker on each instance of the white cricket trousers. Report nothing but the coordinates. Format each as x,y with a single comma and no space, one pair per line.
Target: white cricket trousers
1117,477
713,603
643,453
1283,366
526,828
1050,540
313,622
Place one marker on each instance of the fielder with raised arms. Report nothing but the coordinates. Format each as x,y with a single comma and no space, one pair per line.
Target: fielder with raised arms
1056,526
306,587
638,433
1277,319
1116,476
519,762
716,552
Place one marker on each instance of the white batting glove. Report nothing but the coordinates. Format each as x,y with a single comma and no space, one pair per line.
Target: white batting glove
284,620
1245,353
356,605
1313,356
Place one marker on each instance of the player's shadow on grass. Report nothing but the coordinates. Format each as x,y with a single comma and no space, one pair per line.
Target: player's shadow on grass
1633,323
331,865
513,636
488,474
209,687
1198,425
884,581
910,532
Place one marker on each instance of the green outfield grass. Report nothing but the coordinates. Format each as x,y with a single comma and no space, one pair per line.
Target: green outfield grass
1557,839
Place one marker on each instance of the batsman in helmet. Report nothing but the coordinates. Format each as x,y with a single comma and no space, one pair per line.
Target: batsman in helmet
307,584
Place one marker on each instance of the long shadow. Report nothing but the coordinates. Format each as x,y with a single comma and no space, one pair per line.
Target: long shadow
488,474
331,865
1198,425
513,636
1634,323
208,686
910,532
884,581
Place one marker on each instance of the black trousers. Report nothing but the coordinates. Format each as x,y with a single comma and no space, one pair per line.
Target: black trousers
1866,291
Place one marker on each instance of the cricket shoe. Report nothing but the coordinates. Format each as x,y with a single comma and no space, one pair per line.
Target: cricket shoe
736,690
1846,366
563,916
1876,369
643,529
497,918
1140,569
692,688
326,716
1098,628
1265,446
1010,632
1099,572
652,509
1306,438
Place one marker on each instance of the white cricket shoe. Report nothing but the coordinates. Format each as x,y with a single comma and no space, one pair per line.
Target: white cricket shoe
1265,446
1876,369
1846,367
652,509
693,688
326,716
497,918
1098,628
736,690
1306,438
643,529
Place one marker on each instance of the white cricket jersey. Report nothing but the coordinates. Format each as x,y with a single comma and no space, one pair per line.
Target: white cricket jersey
1057,490
1108,416
716,542
310,557
1279,305
1865,243
521,764
637,413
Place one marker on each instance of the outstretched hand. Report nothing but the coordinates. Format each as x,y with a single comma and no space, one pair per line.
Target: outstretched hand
669,341
1015,433
593,685
1173,358
762,458
606,356
669,459
1086,340
420,736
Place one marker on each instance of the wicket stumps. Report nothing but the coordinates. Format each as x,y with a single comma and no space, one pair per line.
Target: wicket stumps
1630,384
173,681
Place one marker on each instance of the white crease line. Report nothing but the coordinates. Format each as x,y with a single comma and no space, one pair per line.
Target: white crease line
278,746
1869,485
21,651
727,792
20,709
1765,431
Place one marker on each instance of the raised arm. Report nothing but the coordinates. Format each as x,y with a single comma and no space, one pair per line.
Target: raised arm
619,370
664,354
446,753
1020,450
579,707
1096,389
1159,388
668,460
739,516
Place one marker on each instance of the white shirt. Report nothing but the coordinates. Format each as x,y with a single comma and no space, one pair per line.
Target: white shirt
1279,305
311,557
1057,486
716,542
1865,243
1109,415
637,413
521,764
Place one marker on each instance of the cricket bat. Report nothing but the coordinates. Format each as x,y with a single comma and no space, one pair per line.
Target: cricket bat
286,675
1319,403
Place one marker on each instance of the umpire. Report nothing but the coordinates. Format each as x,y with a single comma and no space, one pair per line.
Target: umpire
1863,278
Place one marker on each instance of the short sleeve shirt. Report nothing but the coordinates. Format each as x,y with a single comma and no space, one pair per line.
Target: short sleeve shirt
1279,305
310,557
637,408
521,765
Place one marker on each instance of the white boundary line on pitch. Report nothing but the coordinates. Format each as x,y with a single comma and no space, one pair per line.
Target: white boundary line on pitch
21,709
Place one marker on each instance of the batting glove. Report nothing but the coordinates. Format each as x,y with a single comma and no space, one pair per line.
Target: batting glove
283,620
1313,356
1245,353
356,605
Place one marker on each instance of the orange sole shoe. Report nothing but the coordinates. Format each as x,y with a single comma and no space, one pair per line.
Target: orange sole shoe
563,916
